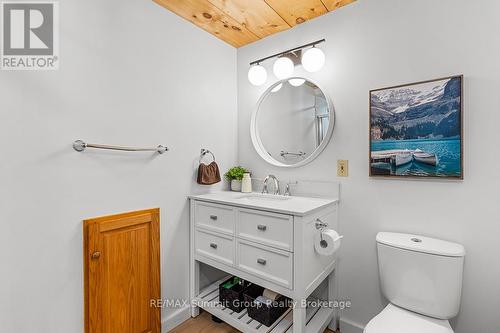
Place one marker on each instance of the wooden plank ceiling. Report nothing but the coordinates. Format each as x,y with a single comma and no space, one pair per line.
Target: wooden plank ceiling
240,22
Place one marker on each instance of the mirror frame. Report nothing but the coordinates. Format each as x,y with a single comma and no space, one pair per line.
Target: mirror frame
254,128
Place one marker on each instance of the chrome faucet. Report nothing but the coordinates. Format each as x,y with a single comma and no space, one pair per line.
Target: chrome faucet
276,185
287,190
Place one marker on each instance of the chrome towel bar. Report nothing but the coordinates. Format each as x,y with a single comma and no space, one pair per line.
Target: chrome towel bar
286,153
80,146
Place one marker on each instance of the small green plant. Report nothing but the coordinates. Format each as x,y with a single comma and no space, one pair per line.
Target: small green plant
235,173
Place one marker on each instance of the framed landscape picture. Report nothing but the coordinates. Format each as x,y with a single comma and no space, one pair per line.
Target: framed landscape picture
416,130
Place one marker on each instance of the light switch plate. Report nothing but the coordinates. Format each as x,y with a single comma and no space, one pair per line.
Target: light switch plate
342,168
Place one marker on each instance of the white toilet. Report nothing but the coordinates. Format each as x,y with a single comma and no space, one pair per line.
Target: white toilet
422,279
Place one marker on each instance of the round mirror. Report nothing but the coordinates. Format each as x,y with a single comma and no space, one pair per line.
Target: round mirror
293,122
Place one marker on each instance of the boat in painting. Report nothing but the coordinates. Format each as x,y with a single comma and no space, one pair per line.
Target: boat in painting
402,158
426,158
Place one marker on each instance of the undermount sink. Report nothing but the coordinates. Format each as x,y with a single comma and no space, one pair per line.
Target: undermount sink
263,197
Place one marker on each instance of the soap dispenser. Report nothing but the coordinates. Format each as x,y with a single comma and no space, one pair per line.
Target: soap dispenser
246,183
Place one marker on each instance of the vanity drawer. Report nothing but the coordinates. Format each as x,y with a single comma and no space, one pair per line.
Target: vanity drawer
266,228
217,247
270,264
215,217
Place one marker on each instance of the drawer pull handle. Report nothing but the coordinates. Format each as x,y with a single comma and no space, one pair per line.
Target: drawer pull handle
213,217
262,262
213,245
262,227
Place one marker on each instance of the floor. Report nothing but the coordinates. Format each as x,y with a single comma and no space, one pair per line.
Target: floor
204,324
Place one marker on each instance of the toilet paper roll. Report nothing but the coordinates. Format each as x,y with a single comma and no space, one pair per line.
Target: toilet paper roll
328,244
270,294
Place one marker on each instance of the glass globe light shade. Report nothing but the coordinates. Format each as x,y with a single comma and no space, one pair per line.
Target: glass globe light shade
277,88
257,75
296,82
313,60
283,67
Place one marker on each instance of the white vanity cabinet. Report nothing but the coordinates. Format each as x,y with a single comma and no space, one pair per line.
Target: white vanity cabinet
268,241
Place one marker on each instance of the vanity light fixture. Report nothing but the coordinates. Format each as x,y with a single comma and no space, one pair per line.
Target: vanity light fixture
296,82
257,75
312,60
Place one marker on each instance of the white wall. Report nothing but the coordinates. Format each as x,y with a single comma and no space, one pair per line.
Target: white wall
131,73
374,44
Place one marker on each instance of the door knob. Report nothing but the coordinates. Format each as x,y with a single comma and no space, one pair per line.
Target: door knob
96,255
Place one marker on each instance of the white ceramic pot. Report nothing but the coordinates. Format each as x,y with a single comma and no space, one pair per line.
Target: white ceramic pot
235,185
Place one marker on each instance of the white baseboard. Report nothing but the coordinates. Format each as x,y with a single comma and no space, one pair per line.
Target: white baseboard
347,326
175,319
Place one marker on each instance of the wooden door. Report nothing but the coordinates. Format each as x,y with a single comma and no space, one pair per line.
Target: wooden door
122,273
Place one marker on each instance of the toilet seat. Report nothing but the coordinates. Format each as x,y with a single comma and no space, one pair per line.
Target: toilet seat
394,319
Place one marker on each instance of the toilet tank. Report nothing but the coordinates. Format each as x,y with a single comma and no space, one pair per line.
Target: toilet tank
421,274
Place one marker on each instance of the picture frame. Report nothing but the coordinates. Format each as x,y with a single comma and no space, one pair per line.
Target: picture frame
416,130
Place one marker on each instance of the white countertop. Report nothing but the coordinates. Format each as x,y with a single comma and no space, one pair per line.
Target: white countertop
291,205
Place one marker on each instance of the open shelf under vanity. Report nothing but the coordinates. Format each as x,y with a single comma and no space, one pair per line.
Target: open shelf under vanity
208,299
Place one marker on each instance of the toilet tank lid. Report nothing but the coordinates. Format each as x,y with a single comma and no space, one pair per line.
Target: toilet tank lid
421,244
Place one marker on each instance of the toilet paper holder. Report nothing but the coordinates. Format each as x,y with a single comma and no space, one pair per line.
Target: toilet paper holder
321,226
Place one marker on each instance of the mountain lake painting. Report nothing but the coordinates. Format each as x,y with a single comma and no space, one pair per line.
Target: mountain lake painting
416,130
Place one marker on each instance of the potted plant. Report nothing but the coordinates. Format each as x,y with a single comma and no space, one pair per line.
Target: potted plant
234,176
